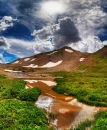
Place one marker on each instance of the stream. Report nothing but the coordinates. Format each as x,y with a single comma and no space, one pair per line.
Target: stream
67,110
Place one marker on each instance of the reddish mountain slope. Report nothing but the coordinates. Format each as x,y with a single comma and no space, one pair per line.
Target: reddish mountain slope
63,59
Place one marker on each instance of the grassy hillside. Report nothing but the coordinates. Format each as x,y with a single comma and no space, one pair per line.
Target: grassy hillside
17,111
99,59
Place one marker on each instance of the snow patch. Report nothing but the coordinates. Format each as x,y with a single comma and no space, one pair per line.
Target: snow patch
51,95
51,64
32,66
52,53
26,59
48,65
26,87
68,50
81,59
16,62
32,60
6,70
49,83
30,86
68,98
31,81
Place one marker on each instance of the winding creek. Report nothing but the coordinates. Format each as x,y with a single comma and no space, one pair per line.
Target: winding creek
69,112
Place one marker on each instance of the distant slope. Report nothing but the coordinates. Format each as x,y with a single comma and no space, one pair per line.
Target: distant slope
99,59
65,59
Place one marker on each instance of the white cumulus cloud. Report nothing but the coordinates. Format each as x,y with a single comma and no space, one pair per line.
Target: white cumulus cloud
22,48
88,18
6,21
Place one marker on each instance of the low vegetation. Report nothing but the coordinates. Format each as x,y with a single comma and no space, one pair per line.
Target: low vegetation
10,89
89,88
83,125
99,123
86,87
17,111
18,115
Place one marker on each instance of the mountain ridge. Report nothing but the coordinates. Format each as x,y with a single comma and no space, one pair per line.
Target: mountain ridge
65,59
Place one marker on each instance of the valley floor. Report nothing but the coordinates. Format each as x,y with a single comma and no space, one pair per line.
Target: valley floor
64,111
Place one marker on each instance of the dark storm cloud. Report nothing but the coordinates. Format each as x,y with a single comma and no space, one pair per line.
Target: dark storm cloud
62,33
3,43
66,34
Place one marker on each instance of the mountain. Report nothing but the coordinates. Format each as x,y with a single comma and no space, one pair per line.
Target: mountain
65,59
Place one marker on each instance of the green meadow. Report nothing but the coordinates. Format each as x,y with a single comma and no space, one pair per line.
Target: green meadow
89,88
17,110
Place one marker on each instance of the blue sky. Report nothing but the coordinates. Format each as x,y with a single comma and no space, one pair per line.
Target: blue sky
29,27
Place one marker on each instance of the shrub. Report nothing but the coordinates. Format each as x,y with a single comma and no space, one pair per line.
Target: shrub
15,114
29,95
16,89
83,125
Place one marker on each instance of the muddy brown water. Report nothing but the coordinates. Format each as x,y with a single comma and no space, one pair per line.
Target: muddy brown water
65,112
69,111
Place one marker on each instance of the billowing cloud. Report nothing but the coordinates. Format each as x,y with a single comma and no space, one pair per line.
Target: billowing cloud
62,34
89,44
65,33
43,34
4,44
22,48
86,20
5,22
